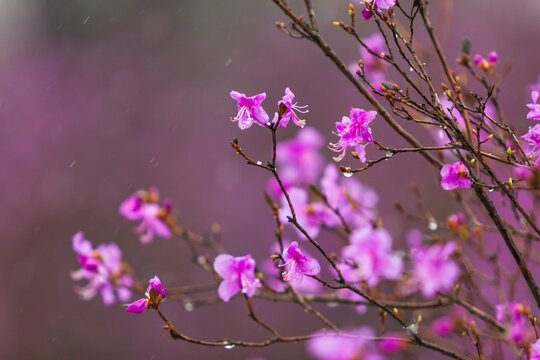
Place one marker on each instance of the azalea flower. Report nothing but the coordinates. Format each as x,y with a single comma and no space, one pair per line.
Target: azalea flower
249,110
238,274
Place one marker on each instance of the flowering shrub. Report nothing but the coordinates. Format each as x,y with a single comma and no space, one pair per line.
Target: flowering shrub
432,289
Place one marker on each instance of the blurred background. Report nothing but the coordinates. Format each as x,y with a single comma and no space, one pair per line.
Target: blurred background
101,98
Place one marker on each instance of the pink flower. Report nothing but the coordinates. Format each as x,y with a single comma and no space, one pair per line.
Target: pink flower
515,316
455,176
136,207
533,138
311,216
289,114
238,274
434,270
155,293
298,160
380,4
488,63
354,132
374,67
249,110
371,253
355,201
297,264
103,270
353,345
447,325
440,135
535,351
394,342
534,114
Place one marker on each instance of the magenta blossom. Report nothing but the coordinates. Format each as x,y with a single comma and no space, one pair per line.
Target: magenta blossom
488,63
155,293
379,4
374,67
299,160
351,345
370,258
88,258
514,315
434,270
535,351
249,110
455,176
238,274
297,264
534,114
103,270
355,201
151,214
451,110
311,216
354,132
533,139
394,342
289,114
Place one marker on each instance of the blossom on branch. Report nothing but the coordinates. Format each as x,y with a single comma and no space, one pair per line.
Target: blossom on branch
354,132
455,176
297,264
154,295
289,106
249,110
238,274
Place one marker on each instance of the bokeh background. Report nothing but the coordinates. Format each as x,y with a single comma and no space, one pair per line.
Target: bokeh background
100,98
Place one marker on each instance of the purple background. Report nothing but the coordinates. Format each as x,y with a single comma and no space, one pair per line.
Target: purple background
100,98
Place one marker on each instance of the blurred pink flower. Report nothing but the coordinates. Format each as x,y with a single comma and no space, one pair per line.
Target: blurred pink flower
535,350
434,270
534,114
135,208
355,201
103,269
311,216
352,345
371,252
515,316
298,160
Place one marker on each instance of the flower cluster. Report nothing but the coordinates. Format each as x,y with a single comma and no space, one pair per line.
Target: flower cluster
103,269
250,110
